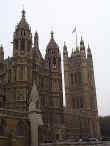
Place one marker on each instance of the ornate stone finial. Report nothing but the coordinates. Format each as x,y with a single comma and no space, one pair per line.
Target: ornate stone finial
81,42
89,54
65,47
23,13
88,46
88,49
52,33
36,35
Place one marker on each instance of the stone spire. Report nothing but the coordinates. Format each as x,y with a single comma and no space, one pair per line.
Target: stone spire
23,13
1,53
52,34
36,40
82,47
89,54
65,51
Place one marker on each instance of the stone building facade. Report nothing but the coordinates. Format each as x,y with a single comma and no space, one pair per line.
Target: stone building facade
80,91
17,73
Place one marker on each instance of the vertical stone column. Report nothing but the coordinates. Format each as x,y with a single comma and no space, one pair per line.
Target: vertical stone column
35,121
34,115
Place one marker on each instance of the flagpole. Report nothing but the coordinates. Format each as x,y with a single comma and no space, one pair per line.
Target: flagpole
74,31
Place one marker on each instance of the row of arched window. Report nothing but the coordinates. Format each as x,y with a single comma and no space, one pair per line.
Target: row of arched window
20,73
23,45
54,84
76,78
50,51
52,63
91,79
77,102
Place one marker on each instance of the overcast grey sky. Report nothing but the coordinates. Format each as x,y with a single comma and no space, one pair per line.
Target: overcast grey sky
92,19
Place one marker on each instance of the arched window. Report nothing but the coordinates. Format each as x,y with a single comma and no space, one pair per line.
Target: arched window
81,102
9,75
29,45
16,44
79,77
54,63
20,129
22,44
21,72
75,77
49,63
14,74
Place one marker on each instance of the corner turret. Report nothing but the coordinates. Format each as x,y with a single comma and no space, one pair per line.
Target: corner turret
22,41
36,40
89,54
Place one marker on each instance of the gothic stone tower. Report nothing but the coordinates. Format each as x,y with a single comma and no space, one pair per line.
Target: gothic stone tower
80,90
52,105
20,66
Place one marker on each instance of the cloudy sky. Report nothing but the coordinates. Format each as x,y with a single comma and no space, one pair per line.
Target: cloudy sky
92,20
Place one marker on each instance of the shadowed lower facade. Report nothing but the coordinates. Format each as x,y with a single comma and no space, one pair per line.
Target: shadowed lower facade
17,73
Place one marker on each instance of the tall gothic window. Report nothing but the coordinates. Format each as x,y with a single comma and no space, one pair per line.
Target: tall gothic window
49,61
15,74
81,102
75,77
22,44
21,72
79,77
54,63
9,75
16,44
50,83
29,45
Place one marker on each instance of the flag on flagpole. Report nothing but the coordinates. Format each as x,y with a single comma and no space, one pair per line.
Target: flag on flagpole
74,30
